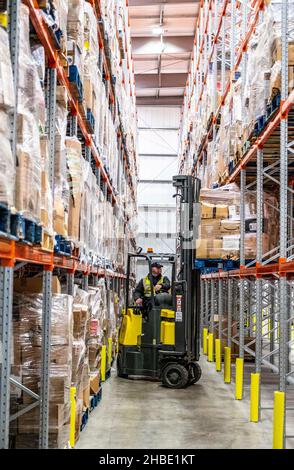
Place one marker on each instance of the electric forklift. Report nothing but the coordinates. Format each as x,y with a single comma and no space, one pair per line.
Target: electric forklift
161,338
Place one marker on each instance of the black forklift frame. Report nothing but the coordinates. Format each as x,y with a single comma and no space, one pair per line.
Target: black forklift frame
150,257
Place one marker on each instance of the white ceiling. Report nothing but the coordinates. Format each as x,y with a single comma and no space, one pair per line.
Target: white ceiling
162,63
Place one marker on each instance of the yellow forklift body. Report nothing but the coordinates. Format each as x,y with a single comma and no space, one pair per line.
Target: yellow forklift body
131,329
167,332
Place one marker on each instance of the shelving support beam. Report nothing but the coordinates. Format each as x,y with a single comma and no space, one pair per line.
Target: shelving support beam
45,361
6,296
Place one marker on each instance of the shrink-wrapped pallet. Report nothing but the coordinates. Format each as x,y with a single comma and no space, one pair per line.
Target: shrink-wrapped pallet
27,354
61,187
75,183
7,103
31,117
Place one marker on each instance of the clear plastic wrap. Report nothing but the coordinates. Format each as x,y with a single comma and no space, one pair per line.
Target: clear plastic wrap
46,190
74,171
220,227
27,323
7,98
61,188
27,333
220,223
7,167
75,25
31,117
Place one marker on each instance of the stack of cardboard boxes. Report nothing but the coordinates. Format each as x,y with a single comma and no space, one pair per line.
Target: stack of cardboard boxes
79,328
7,104
245,103
27,335
78,204
220,224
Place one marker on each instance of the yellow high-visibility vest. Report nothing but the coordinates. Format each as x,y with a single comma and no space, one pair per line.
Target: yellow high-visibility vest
147,285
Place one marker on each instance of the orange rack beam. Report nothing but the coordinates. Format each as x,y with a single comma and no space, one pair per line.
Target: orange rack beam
255,271
44,36
264,136
258,5
11,251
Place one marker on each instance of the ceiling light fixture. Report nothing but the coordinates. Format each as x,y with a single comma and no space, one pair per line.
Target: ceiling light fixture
158,30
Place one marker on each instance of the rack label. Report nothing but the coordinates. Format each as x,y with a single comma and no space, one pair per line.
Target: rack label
179,313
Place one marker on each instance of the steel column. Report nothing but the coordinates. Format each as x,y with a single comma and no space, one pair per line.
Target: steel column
230,288
51,107
207,313
211,323
220,307
13,7
242,263
85,282
70,279
95,281
6,296
223,56
202,322
259,282
88,153
45,362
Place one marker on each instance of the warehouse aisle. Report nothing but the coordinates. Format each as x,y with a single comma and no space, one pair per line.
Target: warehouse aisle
142,414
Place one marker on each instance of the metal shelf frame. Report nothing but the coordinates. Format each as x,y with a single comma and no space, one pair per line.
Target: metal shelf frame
12,251
249,309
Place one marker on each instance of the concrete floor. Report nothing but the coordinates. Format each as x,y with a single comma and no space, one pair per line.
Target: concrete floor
141,414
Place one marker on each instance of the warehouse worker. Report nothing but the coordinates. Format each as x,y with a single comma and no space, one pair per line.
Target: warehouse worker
160,283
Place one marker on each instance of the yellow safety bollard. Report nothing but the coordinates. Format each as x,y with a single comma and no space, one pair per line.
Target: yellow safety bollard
279,420
72,425
205,336
218,355
239,378
210,347
254,397
103,363
227,365
109,356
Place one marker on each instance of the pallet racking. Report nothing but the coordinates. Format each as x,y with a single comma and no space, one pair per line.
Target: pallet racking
15,254
254,304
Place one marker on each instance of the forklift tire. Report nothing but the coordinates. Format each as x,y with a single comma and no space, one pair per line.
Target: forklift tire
175,376
118,368
194,373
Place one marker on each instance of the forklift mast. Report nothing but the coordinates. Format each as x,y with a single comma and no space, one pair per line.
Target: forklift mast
187,284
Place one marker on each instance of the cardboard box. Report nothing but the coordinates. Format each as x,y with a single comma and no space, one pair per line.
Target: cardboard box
57,440
214,211
29,422
277,51
74,216
80,321
61,95
59,218
209,248
210,228
86,396
230,227
94,382
73,156
89,94
74,56
34,285
28,186
93,355
60,388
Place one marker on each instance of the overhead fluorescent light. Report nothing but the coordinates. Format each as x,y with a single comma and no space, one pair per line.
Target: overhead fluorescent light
158,30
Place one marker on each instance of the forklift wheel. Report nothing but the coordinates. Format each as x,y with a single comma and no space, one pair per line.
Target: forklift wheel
194,372
118,368
175,376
